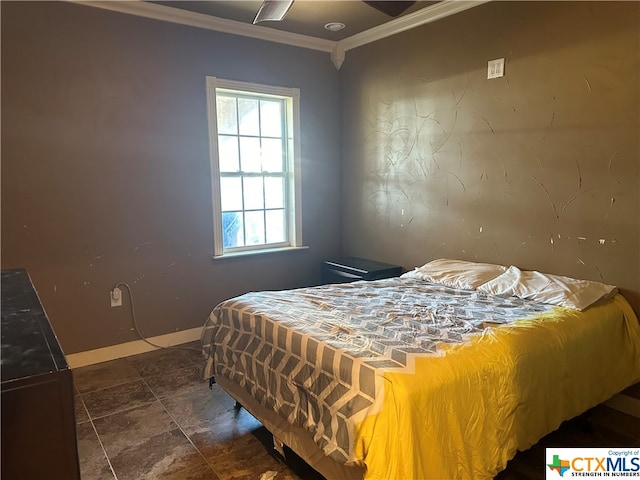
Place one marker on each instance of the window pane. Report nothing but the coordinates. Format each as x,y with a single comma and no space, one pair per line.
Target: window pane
275,226
252,132
232,232
248,116
271,118
271,155
253,193
274,192
250,154
254,225
228,151
227,118
231,193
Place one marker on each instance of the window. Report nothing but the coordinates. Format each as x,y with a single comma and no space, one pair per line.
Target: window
255,166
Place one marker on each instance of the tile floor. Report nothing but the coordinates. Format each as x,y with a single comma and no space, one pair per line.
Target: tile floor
150,416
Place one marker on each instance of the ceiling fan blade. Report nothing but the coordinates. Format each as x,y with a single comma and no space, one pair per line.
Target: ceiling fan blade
272,10
392,8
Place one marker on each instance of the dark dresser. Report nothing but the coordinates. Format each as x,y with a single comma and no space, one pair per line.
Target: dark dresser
38,416
350,269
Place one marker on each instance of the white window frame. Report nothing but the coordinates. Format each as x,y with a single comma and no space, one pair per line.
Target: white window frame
292,177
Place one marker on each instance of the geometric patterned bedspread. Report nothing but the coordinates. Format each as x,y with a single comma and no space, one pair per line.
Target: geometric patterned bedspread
317,356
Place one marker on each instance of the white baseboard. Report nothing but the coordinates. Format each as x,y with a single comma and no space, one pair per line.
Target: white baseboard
121,350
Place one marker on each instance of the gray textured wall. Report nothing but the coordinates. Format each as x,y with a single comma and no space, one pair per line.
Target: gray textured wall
539,168
105,166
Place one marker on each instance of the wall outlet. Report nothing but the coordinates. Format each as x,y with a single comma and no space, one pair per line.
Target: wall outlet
116,297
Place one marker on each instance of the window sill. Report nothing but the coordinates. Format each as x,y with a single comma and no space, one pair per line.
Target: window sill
253,253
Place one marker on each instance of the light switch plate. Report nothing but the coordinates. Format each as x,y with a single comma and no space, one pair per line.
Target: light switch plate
495,68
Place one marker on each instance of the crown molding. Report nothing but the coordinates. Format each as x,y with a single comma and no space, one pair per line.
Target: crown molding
425,15
337,50
200,20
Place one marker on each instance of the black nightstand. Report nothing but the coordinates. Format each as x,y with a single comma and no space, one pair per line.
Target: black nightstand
350,269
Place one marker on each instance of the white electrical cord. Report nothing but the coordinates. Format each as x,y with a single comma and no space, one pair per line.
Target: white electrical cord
135,322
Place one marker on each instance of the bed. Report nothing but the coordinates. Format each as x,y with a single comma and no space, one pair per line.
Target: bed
445,372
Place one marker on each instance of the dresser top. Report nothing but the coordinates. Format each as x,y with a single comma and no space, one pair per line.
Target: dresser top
29,345
361,265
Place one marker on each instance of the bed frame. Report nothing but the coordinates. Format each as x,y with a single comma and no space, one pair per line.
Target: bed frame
296,438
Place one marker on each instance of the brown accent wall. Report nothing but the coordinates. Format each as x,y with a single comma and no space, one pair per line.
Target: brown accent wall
105,166
539,169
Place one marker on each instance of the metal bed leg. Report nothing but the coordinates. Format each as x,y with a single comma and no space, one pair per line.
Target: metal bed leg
278,446
212,381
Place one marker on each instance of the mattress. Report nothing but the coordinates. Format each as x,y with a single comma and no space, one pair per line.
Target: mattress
410,379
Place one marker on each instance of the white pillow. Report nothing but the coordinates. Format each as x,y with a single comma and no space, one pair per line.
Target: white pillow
546,288
456,273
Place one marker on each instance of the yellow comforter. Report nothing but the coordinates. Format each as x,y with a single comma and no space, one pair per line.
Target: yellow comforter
463,415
